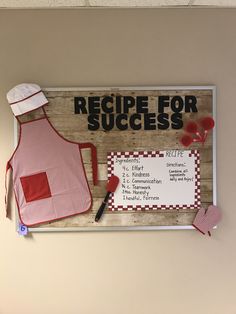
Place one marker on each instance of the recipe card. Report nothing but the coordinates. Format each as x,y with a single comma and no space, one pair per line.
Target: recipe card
152,180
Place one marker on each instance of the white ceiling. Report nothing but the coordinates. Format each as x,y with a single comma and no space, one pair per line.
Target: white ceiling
114,3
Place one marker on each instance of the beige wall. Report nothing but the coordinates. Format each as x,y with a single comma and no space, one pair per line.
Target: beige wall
121,272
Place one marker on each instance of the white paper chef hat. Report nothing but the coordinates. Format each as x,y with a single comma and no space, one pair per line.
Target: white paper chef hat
26,97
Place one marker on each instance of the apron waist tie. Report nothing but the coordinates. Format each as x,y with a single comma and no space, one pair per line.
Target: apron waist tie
94,160
8,166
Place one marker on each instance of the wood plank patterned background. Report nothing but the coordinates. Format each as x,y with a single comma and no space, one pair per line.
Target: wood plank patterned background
74,127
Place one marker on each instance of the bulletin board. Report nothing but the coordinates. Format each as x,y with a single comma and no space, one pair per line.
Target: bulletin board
137,133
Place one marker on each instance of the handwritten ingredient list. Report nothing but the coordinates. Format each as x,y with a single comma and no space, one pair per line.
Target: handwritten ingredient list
155,180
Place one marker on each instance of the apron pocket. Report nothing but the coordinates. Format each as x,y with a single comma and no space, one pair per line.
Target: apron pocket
35,187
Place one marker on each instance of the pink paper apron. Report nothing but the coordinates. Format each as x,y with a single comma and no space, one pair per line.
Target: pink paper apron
49,179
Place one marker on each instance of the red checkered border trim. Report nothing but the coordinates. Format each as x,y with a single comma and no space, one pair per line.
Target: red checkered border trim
110,170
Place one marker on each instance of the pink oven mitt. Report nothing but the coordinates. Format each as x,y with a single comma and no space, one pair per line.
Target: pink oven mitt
205,220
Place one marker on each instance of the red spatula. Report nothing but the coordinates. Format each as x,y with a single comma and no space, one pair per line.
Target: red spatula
111,187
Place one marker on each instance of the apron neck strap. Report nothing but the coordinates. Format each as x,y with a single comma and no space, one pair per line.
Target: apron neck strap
29,117
44,111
